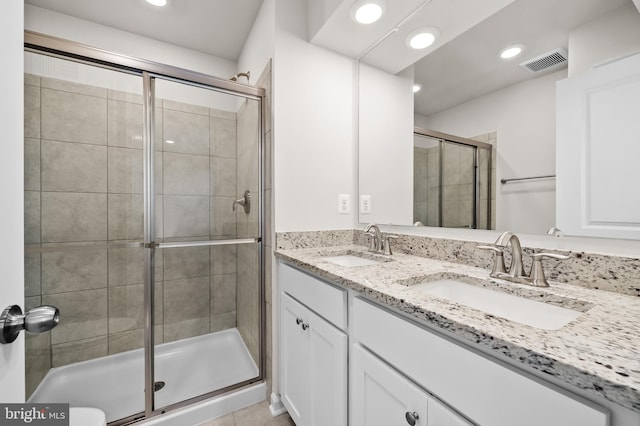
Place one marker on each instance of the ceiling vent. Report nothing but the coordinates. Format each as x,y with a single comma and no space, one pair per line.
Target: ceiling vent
549,61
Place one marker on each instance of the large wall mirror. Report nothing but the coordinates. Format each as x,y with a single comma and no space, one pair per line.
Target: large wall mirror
468,91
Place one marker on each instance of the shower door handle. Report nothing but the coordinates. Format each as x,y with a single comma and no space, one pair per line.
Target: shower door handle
37,320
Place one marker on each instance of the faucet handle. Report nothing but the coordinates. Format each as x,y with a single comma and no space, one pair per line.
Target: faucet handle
498,264
537,271
387,243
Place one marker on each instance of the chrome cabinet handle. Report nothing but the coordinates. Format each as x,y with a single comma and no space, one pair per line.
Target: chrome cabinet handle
411,417
305,326
36,320
299,321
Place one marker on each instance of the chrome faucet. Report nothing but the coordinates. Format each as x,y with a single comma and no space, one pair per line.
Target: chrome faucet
376,237
516,272
509,238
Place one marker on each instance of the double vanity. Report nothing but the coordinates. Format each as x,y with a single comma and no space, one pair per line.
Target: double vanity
374,339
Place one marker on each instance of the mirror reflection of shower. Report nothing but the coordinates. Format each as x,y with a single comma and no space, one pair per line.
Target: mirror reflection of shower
451,181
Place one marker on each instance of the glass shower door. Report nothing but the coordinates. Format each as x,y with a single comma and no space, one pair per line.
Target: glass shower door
83,233
207,231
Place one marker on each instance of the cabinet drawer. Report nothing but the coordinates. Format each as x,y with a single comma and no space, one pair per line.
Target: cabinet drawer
320,296
471,383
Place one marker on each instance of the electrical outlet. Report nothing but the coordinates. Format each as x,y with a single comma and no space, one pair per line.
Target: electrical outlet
365,204
344,205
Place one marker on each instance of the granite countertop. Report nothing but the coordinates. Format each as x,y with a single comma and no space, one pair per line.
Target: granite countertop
598,352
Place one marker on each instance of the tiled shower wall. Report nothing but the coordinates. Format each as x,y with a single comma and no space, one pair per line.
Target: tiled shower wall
83,185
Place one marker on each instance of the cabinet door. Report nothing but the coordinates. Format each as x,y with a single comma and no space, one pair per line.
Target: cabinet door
314,367
295,360
381,397
597,151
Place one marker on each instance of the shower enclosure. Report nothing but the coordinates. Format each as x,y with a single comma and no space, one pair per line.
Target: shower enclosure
133,175
452,181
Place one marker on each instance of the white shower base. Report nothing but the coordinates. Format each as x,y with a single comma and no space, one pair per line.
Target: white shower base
115,383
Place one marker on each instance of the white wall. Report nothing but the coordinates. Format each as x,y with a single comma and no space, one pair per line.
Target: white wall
614,35
113,40
386,144
313,128
258,48
11,190
524,117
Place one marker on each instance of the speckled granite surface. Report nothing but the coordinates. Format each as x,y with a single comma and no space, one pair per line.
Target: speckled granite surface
598,352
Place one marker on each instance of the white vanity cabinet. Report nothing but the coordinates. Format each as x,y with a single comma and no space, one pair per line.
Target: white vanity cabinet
380,396
313,349
483,390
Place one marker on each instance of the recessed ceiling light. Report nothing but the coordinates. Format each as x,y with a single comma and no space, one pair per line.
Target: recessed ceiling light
368,11
158,3
169,141
417,87
511,51
422,38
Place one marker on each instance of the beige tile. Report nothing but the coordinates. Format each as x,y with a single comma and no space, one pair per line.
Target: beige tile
32,224
73,217
73,87
223,137
185,174
79,350
186,262
32,112
37,359
125,171
223,177
73,270
126,266
219,113
126,307
223,321
126,217
223,259
221,421
184,107
73,167
83,314
132,340
190,132
268,161
72,117
185,329
257,414
32,270
126,126
186,216
223,293
31,164
135,98
186,299
223,220
31,79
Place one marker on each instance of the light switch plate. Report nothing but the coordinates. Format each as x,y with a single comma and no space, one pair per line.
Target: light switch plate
344,204
365,204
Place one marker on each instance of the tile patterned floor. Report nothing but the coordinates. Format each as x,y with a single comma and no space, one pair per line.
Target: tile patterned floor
254,415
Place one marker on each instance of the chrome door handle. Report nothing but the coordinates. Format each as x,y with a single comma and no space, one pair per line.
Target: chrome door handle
37,320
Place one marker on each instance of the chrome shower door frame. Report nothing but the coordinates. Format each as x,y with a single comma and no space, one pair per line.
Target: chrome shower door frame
149,71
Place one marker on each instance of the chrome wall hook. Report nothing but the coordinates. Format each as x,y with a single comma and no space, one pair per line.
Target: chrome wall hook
37,320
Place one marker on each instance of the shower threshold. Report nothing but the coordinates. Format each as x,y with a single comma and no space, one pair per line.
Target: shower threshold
115,383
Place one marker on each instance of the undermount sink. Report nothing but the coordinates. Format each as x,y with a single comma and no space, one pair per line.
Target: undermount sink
353,258
514,308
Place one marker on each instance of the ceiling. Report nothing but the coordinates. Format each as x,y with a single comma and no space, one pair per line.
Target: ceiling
215,27
469,66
